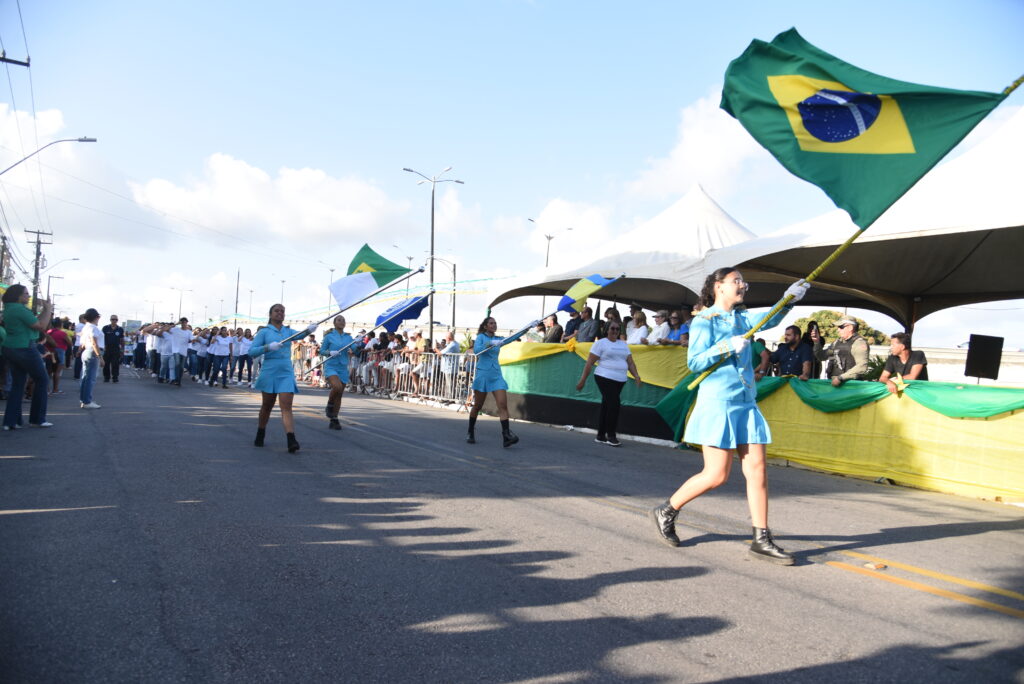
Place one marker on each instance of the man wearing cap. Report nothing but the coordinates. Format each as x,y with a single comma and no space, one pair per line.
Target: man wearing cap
113,348
847,357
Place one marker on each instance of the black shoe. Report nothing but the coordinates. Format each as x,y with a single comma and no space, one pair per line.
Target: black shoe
471,436
765,548
664,516
334,424
224,386
106,379
260,434
601,439
613,441
508,438
293,444
115,380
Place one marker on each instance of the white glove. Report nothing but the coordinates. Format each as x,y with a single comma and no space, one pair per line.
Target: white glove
495,343
797,290
311,328
274,346
739,343
335,353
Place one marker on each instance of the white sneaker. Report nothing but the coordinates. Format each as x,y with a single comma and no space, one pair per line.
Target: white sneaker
91,405
43,424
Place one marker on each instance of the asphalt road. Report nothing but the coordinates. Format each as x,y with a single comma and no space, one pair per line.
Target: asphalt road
148,541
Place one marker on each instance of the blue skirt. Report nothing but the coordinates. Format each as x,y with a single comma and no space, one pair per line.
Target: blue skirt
275,378
726,424
338,368
489,381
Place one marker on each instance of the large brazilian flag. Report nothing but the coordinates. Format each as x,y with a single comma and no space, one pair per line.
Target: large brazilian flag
864,139
367,272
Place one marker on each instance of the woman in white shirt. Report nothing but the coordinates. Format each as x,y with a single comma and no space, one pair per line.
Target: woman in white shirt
610,376
638,329
244,360
92,357
221,348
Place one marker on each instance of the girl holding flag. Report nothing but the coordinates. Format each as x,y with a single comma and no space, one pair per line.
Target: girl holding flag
337,347
489,379
276,378
726,419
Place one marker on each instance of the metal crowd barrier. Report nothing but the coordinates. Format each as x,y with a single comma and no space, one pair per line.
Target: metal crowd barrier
446,378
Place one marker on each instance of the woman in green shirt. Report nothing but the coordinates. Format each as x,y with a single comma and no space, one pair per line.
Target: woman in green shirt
22,357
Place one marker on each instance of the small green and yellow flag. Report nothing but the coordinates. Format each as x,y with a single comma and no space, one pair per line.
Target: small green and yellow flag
864,139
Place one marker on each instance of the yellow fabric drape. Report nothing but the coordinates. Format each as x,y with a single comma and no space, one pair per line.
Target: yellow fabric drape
659,366
902,440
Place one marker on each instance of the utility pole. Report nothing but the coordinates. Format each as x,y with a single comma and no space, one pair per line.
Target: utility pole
39,255
3,259
238,279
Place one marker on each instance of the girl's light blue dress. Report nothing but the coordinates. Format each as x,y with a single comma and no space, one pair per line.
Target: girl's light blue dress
339,364
488,376
276,374
726,412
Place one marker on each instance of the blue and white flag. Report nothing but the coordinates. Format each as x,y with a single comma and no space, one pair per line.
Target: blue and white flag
405,310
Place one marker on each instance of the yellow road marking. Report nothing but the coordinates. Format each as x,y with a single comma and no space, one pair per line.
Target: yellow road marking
929,589
938,575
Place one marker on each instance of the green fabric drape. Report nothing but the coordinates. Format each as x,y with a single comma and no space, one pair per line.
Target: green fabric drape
964,401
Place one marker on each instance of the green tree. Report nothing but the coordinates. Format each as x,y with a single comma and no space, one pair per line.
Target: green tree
827,318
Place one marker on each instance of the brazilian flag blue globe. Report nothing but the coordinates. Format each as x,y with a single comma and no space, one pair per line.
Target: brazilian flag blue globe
863,138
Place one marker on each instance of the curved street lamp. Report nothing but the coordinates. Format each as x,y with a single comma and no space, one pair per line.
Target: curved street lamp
83,139
433,189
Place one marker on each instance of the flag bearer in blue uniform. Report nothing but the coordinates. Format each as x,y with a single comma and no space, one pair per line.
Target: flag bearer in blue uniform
277,377
488,378
338,347
726,420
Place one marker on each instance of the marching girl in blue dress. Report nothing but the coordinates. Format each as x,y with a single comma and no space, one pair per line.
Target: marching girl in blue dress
725,419
277,377
336,366
489,378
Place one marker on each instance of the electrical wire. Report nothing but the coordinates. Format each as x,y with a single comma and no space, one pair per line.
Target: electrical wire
35,121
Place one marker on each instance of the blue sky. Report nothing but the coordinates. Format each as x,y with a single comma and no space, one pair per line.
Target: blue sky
268,138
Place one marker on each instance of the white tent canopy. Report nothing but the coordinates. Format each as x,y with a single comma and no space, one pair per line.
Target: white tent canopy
650,254
957,237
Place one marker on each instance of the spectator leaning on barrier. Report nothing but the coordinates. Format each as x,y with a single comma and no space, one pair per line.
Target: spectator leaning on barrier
847,357
554,331
571,325
660,330
587,332
903,360
793,356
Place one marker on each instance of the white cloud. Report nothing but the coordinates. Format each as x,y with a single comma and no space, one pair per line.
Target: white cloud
240,199
711,148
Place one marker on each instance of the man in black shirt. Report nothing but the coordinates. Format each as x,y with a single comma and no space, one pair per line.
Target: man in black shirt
904,361
113,347
794,357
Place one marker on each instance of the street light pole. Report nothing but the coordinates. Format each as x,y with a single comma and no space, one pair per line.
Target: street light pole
250,303
547,258
452,264
83,139
433,192
328,282
181,293
48,279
